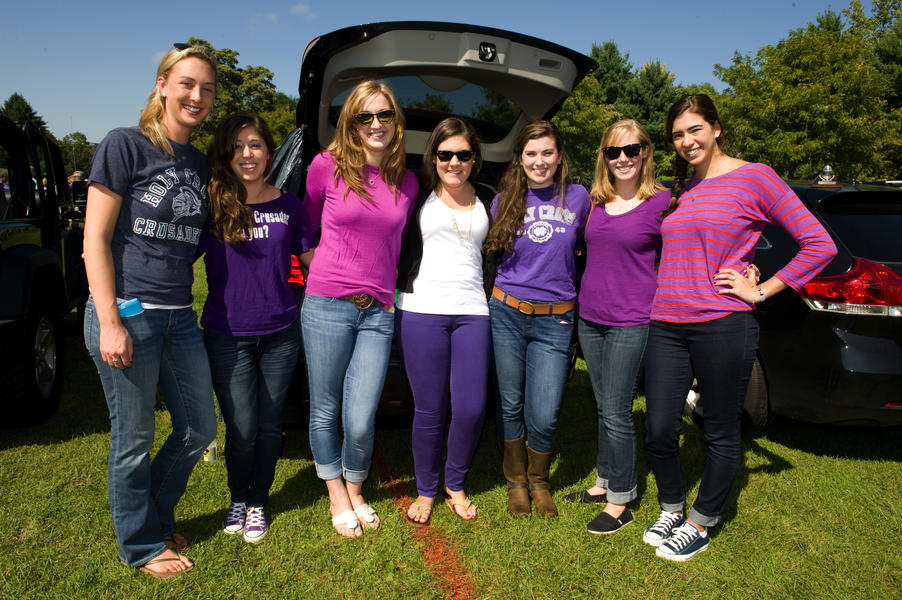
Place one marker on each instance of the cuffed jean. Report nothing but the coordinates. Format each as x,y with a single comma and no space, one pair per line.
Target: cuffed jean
532,361
168,352
445,353
719,354
613,355
251,376
347,352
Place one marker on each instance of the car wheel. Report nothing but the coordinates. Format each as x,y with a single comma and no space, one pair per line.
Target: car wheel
756,410
37,376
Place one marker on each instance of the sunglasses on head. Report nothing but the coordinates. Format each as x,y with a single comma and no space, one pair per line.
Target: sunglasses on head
446,155
181,46
384,116
613,152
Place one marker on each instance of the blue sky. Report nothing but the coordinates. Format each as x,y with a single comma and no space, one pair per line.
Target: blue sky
88,66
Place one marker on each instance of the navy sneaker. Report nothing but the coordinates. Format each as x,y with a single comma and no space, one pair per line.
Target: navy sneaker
605,523
685,542
661,529
584,497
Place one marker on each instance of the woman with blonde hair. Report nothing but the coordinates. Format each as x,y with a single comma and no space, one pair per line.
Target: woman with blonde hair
623,242
359,196
538,218
147,203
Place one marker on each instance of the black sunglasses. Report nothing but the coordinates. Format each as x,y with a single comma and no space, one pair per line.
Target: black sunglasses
613,152
181,46
462,155
384,116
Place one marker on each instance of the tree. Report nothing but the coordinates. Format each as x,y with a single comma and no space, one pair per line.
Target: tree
281,117
250,88
813,99
582,121
613,73
17,108
77,152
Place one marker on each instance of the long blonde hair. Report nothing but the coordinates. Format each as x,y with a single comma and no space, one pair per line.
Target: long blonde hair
603,184
347,147
151,121
512,196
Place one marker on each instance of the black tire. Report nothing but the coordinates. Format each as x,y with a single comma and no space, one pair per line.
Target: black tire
37,375
756,409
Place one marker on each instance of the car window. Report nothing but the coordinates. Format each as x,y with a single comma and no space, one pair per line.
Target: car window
426,101
868,223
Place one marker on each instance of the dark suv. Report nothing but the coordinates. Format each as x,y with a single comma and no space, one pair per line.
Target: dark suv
42,275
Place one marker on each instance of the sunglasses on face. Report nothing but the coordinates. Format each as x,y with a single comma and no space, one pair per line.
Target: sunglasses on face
384,116
446,155
613,152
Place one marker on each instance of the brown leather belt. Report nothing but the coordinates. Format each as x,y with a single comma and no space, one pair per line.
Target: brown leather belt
365,301
533,308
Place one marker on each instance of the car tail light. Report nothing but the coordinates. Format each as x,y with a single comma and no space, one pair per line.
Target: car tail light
869,288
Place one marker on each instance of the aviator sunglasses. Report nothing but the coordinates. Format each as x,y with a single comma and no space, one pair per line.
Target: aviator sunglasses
446,155
613,152
384,116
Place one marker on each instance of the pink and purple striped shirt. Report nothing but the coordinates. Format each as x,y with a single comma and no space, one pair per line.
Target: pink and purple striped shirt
717,224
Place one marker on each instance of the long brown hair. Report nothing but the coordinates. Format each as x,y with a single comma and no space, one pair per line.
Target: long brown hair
703,106
603,184
347,147
229,216
151,120
512,197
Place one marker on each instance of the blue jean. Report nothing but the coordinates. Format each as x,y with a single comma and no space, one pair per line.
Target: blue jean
251,376
613,355
168,352
720,355
347,353
442,354
532,361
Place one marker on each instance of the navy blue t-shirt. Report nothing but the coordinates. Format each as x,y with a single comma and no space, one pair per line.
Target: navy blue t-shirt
164,206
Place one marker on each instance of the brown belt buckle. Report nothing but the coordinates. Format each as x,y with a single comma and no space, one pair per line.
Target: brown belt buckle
522,303
362,301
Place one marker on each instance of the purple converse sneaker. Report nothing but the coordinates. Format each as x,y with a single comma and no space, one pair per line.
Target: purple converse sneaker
234,518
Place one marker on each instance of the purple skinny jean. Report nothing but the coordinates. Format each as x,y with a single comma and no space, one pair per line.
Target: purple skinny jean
447,361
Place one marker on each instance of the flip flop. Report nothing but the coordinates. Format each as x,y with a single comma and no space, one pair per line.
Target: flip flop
367,515
420,510
349,519
464,506
164,575
176,542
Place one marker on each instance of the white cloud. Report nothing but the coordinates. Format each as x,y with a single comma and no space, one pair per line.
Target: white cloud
304,10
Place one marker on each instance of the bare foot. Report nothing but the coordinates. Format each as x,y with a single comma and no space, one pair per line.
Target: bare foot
168,563
420,510
343,517
365,513
462,505
596,491
615,510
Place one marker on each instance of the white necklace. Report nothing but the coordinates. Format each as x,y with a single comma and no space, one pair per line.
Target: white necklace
464,238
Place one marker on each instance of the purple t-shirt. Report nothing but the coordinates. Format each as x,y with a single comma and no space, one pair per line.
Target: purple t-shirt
541,266
619,283
248,282
361,239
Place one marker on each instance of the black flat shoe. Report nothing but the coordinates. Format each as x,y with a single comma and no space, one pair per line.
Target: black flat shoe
584,497
605,523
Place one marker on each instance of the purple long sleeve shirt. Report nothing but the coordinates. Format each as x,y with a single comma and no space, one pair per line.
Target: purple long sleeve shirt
717,224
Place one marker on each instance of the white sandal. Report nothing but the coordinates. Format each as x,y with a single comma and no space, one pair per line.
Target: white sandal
367,516
349,519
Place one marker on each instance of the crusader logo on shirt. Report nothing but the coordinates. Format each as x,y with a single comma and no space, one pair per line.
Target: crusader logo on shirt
540,231
186,204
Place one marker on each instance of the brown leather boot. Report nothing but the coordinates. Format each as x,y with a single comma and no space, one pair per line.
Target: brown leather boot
539,488
514,466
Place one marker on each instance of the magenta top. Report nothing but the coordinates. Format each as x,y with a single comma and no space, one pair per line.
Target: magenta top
620,279
360,239
717,224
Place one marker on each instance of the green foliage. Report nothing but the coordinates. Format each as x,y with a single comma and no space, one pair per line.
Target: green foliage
281,117
582,121
77,152
239,89
17,108
496,108
813,99
434,103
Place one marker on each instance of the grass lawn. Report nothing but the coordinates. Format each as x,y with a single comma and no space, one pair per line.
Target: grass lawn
815,513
